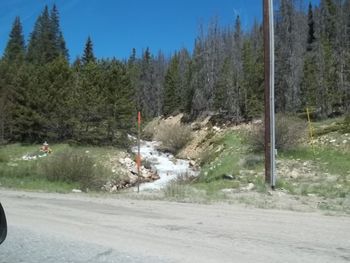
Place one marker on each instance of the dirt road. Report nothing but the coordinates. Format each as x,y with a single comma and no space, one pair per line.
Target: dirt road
78,228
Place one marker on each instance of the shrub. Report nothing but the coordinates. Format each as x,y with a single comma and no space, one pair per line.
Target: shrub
150,129
173,136
346,124
75,167
252,161
289,132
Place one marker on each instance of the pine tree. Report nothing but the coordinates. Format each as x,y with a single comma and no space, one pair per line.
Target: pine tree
46,40
60,44
291,40
88,56
252,84
147,102
119,104
183,87
311,32
327,75
308,88
27,121
172,85
133,71
347,55
15,49
40,45
223,85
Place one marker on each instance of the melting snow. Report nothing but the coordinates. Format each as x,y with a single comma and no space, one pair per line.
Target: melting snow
166,165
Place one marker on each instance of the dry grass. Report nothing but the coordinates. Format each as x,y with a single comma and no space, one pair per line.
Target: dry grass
173,136
289,132
150,129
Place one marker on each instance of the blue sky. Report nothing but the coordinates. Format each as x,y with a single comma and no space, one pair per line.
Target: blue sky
116,26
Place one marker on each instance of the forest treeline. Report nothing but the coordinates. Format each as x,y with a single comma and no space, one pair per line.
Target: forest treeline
94,101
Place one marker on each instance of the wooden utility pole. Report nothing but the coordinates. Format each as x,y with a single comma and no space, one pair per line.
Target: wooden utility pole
138,159
269,65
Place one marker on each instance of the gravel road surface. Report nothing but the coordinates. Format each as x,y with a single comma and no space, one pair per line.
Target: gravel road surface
79,228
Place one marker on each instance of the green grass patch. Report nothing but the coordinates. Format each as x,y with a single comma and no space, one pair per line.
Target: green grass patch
223,159
329,160
222,167
66,168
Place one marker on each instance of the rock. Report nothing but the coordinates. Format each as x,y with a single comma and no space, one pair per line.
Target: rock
133,179
155,177
257,122
345,141
228,190
133,170
216,129
250,186
219,149
228,177
192,163
147,174
128,161
195,126
76,191
294,174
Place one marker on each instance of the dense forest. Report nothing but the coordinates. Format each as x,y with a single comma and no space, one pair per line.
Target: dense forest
94,101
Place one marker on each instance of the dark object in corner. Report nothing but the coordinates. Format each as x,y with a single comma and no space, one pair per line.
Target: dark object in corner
3,225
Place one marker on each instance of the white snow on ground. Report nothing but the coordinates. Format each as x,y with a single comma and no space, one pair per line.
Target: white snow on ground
29,157
167,167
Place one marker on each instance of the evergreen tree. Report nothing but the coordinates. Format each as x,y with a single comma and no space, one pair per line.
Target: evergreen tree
89,100
253,81
311,32
172,84
291,40
133,71
119,104
347,54
327,75
88,56
183,91
15,48
147,102
309,84
60,44
46,40
308,88
223,85
27,100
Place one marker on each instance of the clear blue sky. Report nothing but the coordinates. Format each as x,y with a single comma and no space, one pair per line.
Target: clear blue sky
116,26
